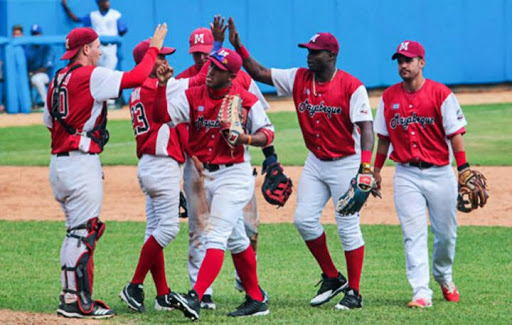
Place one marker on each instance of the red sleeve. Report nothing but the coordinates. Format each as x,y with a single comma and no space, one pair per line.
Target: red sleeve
200,78
160,114
141,71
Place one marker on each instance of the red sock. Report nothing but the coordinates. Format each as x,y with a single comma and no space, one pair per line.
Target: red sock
149,250
354,266
210,268
318,248
158,273
245,264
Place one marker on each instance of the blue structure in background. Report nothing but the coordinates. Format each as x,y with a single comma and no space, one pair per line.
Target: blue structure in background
466,41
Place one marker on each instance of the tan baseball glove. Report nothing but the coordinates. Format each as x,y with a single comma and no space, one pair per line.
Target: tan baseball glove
230,118
473,190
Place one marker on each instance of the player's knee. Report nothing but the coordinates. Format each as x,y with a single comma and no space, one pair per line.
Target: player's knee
308,229
238,245
351,237
166,233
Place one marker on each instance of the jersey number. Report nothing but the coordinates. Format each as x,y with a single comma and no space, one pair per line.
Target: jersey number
139,119
63,102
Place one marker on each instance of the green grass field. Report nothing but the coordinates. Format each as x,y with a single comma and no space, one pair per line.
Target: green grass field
486,140
30,276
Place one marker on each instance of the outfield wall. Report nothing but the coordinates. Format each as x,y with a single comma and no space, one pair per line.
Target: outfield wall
467,41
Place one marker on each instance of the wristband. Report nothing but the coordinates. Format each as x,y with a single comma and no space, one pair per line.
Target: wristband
269,151
460,158
380,158
366,157
243,52
248,140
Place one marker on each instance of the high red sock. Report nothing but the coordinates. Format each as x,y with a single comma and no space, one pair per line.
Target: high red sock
245,264
318,247
149,250
158,273
354,266
210,268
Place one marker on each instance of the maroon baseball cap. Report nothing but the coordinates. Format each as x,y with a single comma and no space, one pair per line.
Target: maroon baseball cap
77,38
140,50
322,41
201,40
410,49
227,60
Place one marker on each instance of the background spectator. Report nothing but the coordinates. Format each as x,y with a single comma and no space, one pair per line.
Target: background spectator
17,31
39,63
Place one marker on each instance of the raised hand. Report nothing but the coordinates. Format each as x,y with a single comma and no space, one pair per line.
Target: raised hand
234,38
218,28
158,37
164,73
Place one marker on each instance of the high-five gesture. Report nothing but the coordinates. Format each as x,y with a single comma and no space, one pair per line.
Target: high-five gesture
234,38
218,28
158,37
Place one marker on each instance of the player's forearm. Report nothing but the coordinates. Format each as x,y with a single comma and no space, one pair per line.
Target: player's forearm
259,139
257,71
70,13
141,71
367,135
382,153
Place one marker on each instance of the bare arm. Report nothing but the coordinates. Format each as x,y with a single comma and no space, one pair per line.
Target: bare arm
69,12
457,143
253,67
367,136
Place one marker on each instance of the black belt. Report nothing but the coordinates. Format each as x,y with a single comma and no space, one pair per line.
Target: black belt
213,168
66,154
331,159
421,165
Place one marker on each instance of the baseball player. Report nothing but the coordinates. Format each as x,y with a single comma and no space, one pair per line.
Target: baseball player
424,123
336,121
159,173
228,183
106,22
201,44
77,122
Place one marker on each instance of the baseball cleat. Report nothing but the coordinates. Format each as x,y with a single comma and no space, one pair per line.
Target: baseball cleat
166,302
133,295
207,303
450,292
420,303
329,288
351,300
189,304
71,310
250,307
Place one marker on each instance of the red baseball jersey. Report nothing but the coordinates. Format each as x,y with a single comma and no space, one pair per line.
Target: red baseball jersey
153,138
190,72
196,107
326,111
82,101
420,124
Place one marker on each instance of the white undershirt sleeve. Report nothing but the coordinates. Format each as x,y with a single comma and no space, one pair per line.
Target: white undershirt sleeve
360,109
283,80
453,118
380,126
178,106
105,83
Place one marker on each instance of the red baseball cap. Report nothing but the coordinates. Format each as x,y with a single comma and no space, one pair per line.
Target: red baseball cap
322,41
140,50
77,38
227,60
410,49
201,40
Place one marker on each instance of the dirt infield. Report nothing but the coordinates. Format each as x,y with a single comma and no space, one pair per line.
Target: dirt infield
25,194
19,318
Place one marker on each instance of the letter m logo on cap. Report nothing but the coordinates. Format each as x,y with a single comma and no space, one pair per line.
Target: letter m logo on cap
404,46
199,38
313,39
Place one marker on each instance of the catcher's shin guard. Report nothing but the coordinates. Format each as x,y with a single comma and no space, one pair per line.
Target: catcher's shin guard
78,272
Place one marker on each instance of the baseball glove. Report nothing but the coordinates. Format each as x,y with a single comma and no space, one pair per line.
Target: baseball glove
472,190
183,206
230,118
277,187
353,200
